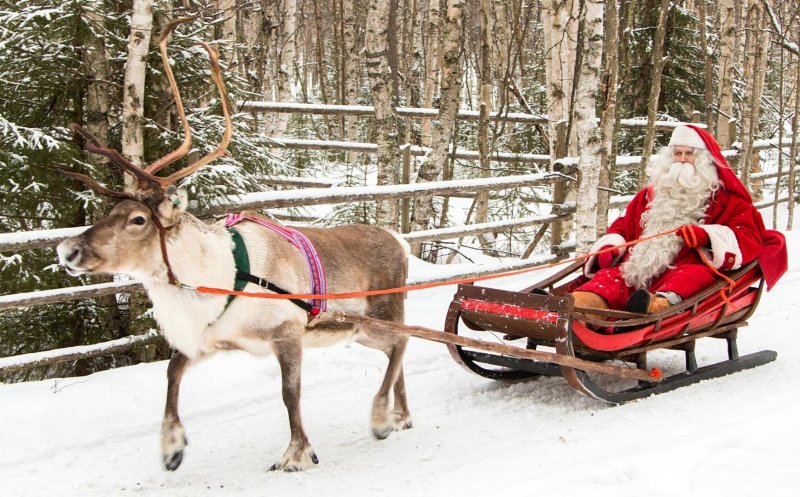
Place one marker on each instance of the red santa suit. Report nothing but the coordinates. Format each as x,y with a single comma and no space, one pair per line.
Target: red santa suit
734,227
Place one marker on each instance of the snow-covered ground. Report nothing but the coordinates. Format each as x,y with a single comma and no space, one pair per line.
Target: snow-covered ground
733,436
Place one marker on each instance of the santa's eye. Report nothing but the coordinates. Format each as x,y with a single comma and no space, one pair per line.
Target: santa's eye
138,220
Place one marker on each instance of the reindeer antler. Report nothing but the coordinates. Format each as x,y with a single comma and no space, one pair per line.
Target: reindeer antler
147,176
216,74
93,146
176,94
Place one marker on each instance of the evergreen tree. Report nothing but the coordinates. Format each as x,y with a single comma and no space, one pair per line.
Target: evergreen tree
45,78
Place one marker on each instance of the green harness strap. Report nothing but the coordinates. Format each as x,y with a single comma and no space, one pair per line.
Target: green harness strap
242,262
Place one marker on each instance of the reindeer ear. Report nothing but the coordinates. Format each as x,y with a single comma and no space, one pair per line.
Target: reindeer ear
175,203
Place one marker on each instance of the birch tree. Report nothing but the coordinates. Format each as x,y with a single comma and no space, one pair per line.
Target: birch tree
485,108
727,46
350,71
442,128
794,148
133,88
379,73
708,93
560,27
559,22
608,118
285,64
757,40
588,133
655,89
431,80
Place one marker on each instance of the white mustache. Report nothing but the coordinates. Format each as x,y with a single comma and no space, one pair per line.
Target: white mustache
681,173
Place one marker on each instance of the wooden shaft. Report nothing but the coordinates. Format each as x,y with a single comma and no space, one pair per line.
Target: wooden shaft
536,355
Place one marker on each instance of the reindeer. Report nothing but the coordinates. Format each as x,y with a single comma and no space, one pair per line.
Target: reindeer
150,236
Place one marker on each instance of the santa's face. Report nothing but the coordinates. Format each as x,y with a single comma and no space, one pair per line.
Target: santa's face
683,154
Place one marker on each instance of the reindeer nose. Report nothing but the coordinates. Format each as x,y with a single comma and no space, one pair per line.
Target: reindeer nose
74,255
69,253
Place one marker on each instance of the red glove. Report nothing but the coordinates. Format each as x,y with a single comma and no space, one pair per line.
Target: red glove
606,259
693,236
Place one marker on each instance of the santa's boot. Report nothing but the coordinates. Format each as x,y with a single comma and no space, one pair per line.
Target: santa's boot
644,302
589,299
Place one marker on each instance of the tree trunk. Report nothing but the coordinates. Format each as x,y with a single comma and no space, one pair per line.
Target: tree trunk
559,20
504,70
727,46
133,88
252,56
589,143
98,78
560,36
286,59
485,107
379,73
608,118
227,29
442,129
708,95
655,89
794,149
755,55
350,71
432,61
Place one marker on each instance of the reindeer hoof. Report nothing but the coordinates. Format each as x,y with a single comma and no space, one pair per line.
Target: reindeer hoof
291,466
382,432
404,424
172,462
172,446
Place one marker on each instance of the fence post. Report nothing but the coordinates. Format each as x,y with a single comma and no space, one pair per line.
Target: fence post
726,146
557,228
405,203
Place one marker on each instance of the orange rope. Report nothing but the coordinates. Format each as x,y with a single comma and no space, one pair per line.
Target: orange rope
690,240
730,281
423,286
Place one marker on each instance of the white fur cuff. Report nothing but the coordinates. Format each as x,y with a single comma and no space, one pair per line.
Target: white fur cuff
724,246
607,239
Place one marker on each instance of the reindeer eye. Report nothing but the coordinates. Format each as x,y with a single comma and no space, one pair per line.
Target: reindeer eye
138,220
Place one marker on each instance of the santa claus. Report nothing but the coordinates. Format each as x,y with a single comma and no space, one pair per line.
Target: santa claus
692,187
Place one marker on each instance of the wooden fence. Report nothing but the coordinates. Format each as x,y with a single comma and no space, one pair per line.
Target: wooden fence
322,192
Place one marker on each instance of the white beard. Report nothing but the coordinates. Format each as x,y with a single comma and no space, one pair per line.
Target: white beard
680,197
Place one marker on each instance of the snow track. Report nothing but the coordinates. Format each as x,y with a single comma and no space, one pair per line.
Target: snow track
733,436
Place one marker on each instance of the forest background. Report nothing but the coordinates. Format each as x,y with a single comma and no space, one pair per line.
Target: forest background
586,67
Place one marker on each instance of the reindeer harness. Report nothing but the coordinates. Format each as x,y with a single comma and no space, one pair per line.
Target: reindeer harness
318,283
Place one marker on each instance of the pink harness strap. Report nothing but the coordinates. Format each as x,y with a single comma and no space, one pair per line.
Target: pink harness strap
301,241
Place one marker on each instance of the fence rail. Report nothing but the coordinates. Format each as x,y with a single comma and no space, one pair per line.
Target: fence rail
318,192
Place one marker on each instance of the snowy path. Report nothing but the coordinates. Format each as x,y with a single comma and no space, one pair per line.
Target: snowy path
733,436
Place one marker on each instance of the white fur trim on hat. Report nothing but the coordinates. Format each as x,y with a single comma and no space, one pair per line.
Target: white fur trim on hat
687,137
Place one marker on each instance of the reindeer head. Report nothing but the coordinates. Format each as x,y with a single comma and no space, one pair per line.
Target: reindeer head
127,240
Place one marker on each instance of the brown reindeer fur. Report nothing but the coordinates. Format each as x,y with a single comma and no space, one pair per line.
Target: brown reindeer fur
355,258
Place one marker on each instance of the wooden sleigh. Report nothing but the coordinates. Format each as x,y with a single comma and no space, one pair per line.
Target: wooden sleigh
544,316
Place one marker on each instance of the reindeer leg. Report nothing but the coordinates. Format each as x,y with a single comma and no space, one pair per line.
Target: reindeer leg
402,416
173,438
299,455
382,423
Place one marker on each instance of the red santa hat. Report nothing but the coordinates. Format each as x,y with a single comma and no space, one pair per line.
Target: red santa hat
690,135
